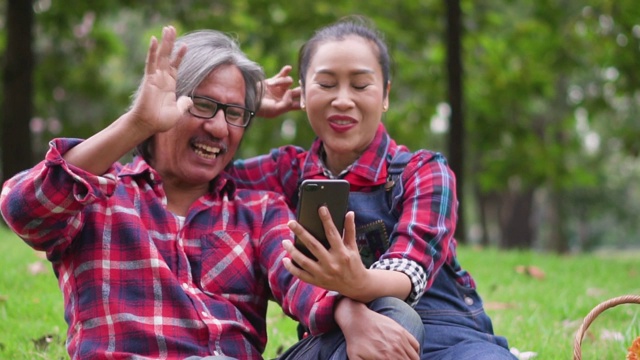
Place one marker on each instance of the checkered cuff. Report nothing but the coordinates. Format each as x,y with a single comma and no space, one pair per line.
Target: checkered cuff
414,271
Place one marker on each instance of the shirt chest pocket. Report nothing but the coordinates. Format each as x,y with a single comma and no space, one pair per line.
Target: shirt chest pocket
228,263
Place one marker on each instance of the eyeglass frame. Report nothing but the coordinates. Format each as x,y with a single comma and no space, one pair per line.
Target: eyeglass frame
223,107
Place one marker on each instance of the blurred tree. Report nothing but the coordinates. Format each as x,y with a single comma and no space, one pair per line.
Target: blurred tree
17,87
550,96
456,100
535,75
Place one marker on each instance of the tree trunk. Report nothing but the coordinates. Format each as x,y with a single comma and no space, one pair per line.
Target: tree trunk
483,215
558,239
489,205
456,128
517,211
17,89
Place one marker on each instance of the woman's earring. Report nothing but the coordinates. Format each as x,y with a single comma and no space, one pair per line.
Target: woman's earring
385,107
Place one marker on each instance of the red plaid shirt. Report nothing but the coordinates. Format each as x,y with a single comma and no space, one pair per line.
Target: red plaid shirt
137,282
423,238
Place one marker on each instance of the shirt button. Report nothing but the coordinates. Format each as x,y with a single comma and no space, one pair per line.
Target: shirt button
204,314
468,300
185,286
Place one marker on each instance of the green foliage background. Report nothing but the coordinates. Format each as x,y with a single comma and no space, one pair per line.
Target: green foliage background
551,94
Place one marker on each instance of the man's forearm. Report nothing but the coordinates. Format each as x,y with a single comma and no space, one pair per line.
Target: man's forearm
100,151
348,309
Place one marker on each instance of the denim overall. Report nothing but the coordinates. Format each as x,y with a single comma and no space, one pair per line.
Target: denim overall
456,326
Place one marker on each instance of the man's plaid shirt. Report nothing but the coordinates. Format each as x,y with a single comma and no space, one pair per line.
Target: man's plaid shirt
137,282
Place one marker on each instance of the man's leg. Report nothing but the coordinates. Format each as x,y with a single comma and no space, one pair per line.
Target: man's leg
333,345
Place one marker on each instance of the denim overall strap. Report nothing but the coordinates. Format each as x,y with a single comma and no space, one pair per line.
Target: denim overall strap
374,215
394,180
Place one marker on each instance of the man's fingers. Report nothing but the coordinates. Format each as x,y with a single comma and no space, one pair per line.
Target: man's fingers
413,351
166,46
184,103
150,62
175,63
159,53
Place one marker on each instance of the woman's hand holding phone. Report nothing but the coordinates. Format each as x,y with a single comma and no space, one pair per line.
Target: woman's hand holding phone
337,268
314,193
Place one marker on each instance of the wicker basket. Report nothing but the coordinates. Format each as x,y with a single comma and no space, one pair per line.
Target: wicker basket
577,344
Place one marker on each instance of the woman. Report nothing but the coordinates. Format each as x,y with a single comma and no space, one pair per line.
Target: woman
404,203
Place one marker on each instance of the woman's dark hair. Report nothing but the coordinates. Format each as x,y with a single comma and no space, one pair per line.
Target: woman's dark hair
354,25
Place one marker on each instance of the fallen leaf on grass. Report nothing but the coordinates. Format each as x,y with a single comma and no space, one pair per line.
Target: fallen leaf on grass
596,292
533,271
492,305
42,343
523,355
571,324
38,267
611,335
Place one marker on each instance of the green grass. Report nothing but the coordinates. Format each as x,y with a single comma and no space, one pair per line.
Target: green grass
535,314
30,304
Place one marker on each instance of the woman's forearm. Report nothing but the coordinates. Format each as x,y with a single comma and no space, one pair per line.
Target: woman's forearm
381,283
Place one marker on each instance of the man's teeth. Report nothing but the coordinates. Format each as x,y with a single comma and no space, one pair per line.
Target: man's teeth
206,151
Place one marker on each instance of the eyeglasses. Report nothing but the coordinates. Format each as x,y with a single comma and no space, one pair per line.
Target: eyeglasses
206,108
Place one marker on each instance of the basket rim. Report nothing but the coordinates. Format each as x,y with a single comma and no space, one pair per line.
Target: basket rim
591,316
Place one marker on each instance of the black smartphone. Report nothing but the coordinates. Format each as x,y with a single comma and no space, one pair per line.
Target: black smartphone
334,194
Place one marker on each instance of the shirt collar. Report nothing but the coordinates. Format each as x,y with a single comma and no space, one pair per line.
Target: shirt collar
222,184
370,167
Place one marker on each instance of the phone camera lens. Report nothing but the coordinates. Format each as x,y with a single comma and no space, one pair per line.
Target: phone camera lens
311,187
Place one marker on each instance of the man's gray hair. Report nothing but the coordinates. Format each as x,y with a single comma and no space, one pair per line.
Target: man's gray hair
206,51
